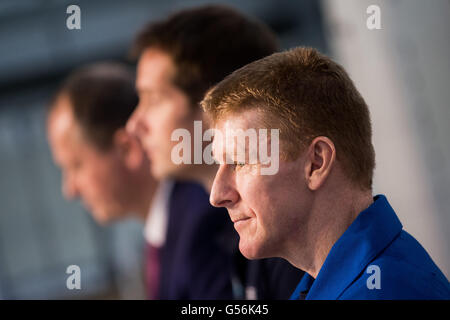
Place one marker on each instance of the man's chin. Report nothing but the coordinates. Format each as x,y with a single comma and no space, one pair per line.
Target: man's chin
250,251
104,218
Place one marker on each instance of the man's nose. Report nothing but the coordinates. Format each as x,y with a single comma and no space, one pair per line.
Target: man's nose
223,192
130,126
134,123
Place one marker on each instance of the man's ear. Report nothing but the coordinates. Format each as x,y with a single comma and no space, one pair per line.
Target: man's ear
320,159
129,149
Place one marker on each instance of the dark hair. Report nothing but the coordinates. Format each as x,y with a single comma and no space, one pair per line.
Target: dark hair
206,44
102,97
305,94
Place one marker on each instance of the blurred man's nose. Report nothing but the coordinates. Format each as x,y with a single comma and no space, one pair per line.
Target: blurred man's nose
223,193
131,123
134,124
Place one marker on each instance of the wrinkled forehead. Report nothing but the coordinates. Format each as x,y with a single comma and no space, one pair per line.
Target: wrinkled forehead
252,118
240,132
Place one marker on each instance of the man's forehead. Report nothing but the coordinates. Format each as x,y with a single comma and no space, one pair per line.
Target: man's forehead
227,133
154,67
63,127
245,121
61,131
61,117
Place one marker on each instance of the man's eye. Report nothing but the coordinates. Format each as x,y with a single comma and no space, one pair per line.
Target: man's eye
76,165
153,101
149,100
148,103
156,98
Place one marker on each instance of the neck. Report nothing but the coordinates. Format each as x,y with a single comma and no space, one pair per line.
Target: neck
143,196
330,217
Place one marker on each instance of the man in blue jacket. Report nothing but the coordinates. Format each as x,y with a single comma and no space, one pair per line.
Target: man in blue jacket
316,208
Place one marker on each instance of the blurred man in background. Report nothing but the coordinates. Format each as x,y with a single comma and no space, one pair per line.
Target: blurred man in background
101,163
179,59
107,168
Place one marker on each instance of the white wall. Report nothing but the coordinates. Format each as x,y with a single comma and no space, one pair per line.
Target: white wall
403,73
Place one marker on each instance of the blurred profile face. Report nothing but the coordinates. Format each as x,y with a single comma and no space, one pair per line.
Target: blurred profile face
265,209
162,108
97,177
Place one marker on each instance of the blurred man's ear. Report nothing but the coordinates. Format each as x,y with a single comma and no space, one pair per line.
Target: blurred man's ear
320,159
129,149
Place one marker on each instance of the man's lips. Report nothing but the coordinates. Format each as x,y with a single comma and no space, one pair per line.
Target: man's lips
240,223
235,220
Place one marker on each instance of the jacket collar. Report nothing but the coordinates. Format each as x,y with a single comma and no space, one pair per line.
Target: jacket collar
369,234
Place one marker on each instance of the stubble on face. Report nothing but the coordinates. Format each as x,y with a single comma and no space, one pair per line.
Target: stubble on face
267,209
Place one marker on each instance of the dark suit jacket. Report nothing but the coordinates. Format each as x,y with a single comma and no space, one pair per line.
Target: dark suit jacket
271,279
195,263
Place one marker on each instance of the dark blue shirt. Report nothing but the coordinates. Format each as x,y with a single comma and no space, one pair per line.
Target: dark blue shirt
376,259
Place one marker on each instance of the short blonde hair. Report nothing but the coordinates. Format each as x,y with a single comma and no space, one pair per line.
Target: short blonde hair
305,94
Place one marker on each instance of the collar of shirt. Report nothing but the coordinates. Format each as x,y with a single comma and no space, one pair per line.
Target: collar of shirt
303,287
155,228
371,232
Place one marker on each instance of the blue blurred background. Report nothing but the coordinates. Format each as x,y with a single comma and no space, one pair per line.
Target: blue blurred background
402,70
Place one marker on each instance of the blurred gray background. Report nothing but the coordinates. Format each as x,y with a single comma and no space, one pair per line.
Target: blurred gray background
402,71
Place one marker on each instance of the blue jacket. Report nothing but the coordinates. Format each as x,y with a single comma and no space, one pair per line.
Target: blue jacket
376,259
